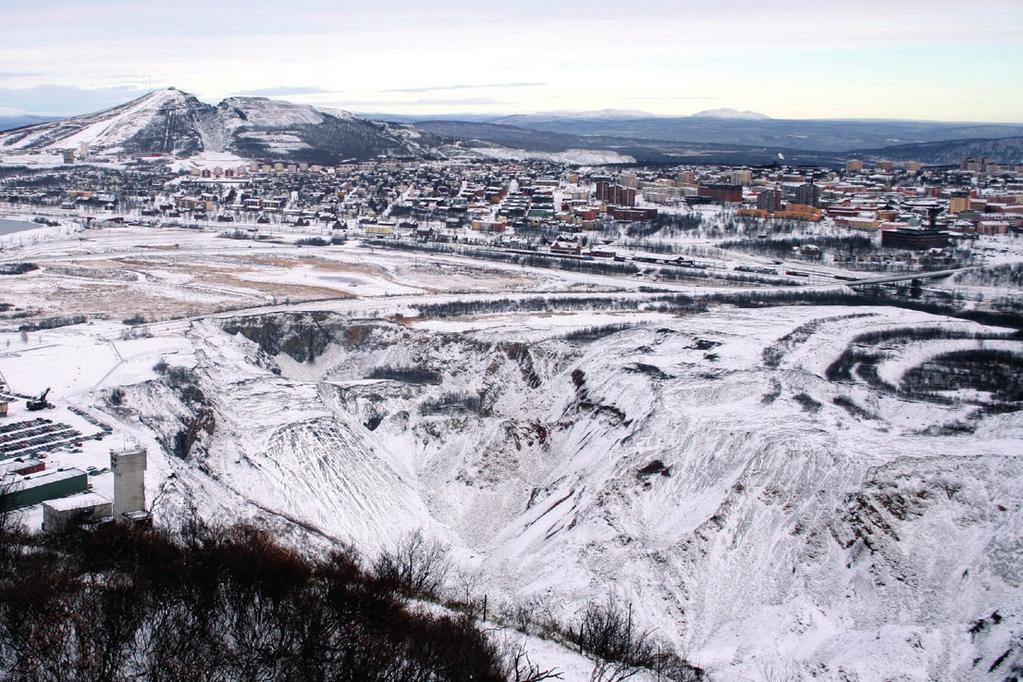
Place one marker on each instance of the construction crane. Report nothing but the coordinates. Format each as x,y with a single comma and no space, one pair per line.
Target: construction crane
40,403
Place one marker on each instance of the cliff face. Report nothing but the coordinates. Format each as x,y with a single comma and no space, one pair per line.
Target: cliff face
705,470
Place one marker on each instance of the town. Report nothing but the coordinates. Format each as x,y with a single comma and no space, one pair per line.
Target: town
914,216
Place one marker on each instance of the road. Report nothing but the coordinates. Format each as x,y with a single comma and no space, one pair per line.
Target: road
906,277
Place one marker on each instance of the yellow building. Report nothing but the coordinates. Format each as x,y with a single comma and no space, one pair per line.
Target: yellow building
857,222
790,212
800,212
959,204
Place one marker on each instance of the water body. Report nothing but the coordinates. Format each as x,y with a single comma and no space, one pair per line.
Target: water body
12,226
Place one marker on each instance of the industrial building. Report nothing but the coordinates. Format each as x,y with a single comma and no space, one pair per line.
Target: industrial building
24,491
914,239
129,467
66,512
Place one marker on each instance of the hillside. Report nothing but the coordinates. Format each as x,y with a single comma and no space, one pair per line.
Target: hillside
753,504
173,122
165,122
1005,150
477,135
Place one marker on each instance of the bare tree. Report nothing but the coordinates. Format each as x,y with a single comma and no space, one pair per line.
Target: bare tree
519,668
417,564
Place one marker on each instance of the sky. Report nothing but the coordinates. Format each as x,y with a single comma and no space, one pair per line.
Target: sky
933,60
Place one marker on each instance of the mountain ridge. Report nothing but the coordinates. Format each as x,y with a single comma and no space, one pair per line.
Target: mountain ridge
174,122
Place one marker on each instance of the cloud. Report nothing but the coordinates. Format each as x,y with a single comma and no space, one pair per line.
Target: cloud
65,100
384,103
477,86
281,91
668,99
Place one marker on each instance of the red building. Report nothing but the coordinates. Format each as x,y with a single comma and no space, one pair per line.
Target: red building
621,196
731,194
633,214
615,194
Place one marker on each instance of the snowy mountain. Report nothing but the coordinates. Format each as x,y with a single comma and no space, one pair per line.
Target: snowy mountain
173,122
733,114
166,122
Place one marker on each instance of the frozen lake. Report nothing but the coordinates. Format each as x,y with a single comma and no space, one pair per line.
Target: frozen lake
12,226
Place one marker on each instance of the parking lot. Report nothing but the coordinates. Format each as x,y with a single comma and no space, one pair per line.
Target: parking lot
34,437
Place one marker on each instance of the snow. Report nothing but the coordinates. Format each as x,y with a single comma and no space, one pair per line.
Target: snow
208,160
733,114
39,160
123,122
785,542
77,501
590,157
106,129
265,113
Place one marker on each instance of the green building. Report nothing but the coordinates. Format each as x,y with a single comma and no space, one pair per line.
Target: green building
24,491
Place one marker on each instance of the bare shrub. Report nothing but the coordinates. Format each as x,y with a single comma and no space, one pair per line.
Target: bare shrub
606,632
417,565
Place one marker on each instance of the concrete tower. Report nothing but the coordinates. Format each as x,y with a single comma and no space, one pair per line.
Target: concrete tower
129,467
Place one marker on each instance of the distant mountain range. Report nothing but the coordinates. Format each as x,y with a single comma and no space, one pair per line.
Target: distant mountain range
809,135
731,114
9,122
174,122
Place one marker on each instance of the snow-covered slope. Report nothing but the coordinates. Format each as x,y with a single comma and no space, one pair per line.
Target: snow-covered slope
772,523
173,122
259,127
164,121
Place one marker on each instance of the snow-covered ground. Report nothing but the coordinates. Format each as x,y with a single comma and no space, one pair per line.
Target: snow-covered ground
769,522
595,157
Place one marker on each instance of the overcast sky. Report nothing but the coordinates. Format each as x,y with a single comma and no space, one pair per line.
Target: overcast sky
934,59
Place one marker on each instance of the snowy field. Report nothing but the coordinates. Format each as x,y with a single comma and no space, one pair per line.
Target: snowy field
768,519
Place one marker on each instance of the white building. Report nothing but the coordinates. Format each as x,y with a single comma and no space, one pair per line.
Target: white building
129,467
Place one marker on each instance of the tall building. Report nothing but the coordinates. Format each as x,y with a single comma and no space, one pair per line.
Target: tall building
742,177
628,180
686,177
854,165
980,164
769,200
621,196
808,194
720,192
959,202
129,467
